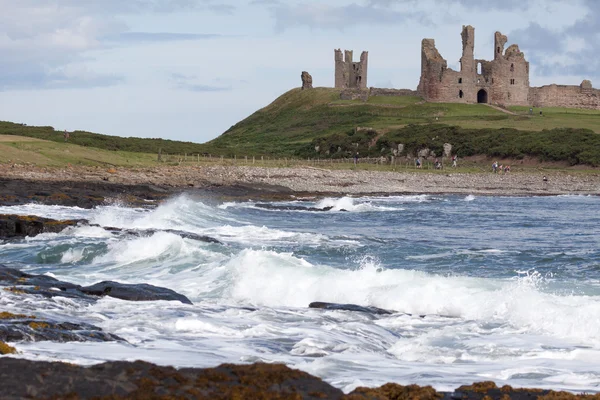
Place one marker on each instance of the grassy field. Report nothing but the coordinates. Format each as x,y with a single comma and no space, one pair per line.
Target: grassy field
27,150
317,124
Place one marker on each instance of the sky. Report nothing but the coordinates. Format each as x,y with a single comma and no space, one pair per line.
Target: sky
190,69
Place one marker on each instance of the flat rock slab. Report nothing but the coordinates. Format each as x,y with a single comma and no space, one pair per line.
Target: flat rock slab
133,292
21,282
30,225
142,380
350,307
22,328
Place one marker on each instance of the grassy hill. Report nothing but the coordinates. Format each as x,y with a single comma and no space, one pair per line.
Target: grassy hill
300,122
316,123
105,142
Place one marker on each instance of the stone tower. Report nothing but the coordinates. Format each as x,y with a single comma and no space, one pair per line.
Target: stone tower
349,74
467,61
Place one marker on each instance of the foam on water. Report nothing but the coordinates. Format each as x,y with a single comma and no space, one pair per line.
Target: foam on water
530,326
351,205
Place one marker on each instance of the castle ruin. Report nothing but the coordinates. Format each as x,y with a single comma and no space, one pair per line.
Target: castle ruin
503,81
349,74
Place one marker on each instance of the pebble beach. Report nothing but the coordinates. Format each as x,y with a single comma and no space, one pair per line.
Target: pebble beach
324,181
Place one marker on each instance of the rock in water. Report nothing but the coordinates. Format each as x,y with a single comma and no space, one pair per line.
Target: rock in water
350,307
31,225
306,80
134,292
46,286
29,328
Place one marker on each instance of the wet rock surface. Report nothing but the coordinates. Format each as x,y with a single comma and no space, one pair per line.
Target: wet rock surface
47,286
142,380
17,226
277,207
12,226
133,292
84,194
351,307
29,328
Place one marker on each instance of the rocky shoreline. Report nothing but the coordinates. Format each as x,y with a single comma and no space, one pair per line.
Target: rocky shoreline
141,380
88,187
91,186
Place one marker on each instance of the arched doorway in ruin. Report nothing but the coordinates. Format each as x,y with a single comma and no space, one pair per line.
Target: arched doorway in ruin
482,96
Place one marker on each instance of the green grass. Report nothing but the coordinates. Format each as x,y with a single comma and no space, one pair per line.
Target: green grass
22,150
299,121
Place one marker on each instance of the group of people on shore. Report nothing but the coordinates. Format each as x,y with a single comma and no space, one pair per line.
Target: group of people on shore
436,164
499,168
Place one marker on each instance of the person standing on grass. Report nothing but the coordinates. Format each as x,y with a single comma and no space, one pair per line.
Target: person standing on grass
66,135
356,158
454,161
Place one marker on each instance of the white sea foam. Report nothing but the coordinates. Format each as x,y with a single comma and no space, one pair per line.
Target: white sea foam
251,298
352,205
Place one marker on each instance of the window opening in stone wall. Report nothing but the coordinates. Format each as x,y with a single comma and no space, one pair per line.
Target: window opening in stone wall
460,94
508,95
478,80
512,67
512,81
479,68
498,50
459,80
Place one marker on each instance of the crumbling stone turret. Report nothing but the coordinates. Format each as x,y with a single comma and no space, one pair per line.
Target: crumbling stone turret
349,74
306,80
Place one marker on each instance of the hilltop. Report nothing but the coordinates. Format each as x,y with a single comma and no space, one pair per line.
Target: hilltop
316,123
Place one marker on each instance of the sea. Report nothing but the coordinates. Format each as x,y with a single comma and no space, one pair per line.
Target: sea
481,288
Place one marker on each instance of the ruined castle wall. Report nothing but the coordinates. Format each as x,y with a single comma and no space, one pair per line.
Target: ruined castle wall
392,92
341,70
503,81
510,81
349,74
565,96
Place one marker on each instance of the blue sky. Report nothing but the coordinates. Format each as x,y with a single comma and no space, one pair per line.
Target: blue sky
189,69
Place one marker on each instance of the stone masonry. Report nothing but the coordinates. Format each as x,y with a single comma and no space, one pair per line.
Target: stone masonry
349,74
307,82
503,81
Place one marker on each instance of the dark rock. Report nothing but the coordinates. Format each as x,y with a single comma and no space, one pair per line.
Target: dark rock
81,194
142,380
292,208
149,232
133,292
14,328
24,283
29,225
350,307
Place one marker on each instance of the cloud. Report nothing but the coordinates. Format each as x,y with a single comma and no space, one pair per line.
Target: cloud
137,37
321,16
190,82
41,39
553,51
